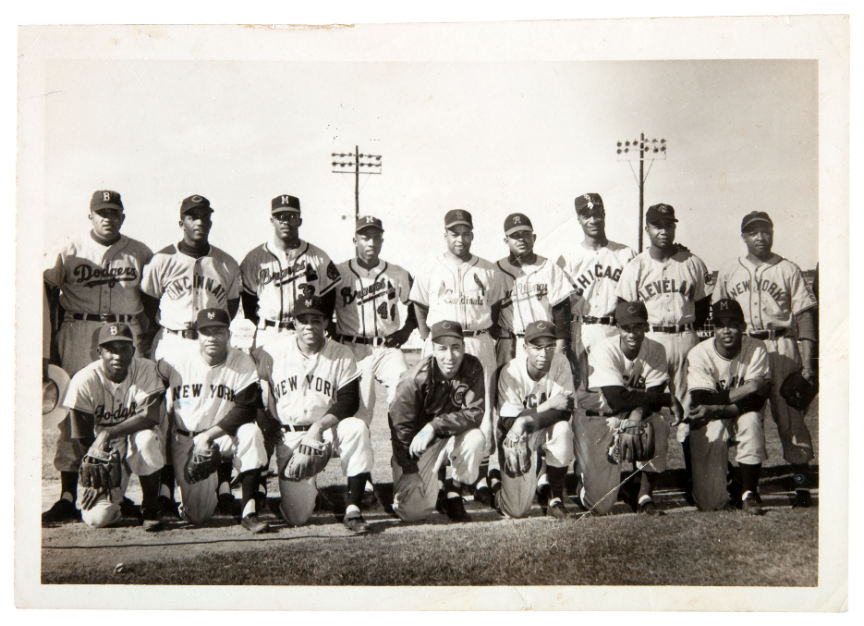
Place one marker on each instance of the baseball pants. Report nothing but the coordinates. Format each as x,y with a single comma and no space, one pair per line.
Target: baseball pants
143,454
464,452
351,441
517,493
583,337
265,334
599,476
198,501
386,365
783,359
169,347
677,345
709,450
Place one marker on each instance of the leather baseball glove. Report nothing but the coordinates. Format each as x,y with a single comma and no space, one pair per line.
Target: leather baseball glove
99,473
309,458
202,462
798,391
517,455
633,441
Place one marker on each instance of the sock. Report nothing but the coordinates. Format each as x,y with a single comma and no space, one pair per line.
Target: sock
224,487
224,474
69,485
750,477
249,509
799,475
352,509
494,479
688,467
646,486
454,488
356,485
248,489
556,477
149,489
166,489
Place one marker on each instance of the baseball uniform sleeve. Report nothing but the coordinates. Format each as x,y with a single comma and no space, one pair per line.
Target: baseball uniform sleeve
81,392
559,285
628,287
802,297
264,370
403,285
170,378
249,272
605,370
758,367
330,277
232,271
347,367
700,278
563,375
655,371
150,277
721,290
498,286
420,290
509,402
54,274
700,372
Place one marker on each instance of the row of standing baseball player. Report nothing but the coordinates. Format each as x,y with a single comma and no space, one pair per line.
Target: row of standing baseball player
107,277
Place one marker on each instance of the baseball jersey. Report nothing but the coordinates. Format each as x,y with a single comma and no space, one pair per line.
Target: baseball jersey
668,288
300,389
184,285
530,292
279,277
459,291
91,391
609,367
708,370
517,391
200,395
595,275
94,278
371,303
770,294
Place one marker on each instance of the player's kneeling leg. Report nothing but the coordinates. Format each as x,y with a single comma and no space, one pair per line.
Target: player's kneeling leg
709,460
415,494
465,452
297,497
145,458
104,511
557,443
599,476
197,500
751,453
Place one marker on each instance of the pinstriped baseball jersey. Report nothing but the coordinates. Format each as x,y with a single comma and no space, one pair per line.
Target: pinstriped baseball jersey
300,389
200,395
94,278
770,294
530,292
668,288
708,370
184,285
371,303
279,277
517,391
459,291
595,275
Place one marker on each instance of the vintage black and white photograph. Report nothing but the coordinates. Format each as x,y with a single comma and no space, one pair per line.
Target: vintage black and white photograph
547,305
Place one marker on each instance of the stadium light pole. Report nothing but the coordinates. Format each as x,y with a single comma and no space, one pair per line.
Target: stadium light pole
642,149
355,166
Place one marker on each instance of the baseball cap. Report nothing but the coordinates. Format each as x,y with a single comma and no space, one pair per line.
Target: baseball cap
627,313
753,217
284,203
588,201
660,213
194,202
456,217
727,310
516,222
105,199
446,328
114,332
368,221
311,305
212,317
539,330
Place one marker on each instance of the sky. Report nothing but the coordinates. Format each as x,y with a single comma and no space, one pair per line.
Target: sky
489,137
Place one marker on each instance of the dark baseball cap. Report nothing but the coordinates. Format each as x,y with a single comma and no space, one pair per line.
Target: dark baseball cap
194,202
627,313
753,217
727,310
456,217
516,222
588,201
539,330
446,328
312,305
368,221
658,213
105,199
114,332
212,317
284,203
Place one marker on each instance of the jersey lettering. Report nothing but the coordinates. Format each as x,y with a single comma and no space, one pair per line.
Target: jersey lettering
178,288
109,418
584,280
659,287
94,276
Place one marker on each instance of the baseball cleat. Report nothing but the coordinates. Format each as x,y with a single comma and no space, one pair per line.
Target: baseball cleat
455,510
356,524
750,504
129,508
649,508
226,504
802,499
62,511
543,492
253,524
151,519
168,506
483,495
557,511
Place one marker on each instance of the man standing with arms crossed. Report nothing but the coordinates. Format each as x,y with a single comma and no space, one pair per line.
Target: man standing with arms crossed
780,309
95,279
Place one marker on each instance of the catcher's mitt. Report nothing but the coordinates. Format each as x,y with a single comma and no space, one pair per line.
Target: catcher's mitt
202,462
798,391
517,455
633,441
309,458
100,470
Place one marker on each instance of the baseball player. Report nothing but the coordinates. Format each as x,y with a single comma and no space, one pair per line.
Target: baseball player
95,279
116,399
779,309
211,399
627,372
594,267
311,388
436,416
728,379
282,270
535,398
466,289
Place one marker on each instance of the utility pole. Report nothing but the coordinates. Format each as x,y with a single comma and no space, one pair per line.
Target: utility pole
357,166
642,149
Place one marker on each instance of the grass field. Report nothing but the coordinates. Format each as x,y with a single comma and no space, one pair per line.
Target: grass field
684,547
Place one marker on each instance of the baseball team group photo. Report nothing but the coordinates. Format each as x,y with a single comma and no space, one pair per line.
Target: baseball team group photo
565,337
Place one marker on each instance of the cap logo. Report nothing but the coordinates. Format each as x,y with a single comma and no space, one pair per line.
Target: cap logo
447,325
588,203
459,215
724,306
106,196
308,302
211,315
196,198
285,200
113,330
370,220
517,220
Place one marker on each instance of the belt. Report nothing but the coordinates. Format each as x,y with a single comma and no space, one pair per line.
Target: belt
768,334
474,333
362,340
295,428
103,317
607,319
186,333
593,413
672,328
509,335
289,325
187,433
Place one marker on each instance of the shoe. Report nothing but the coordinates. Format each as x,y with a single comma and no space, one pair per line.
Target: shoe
543,492
61,511
369,499
168,507
558,511
802,499
455,509
129,508
356,524
483,495
151,519
253,524
649,508
440,503
226,504
750,504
